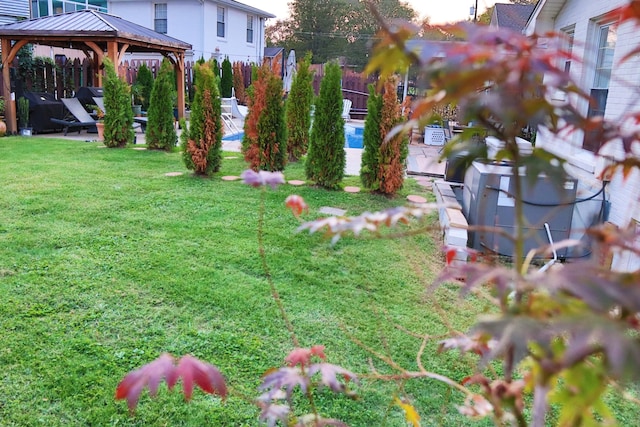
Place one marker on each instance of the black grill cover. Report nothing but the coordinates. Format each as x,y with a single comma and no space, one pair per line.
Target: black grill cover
42,107
86,94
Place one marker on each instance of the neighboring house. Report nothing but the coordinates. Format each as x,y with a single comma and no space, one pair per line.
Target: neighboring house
614,85
215,28
511,16
13,10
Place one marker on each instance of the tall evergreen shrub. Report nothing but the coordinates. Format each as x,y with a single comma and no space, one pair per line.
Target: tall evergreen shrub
144,82
202,142
215,66
271,127
256,103
298,111
118,120
161,132
371,141
383,159
238,83
326,157
226,83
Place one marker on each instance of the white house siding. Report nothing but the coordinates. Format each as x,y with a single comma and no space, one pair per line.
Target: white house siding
195,22
623,97
12,10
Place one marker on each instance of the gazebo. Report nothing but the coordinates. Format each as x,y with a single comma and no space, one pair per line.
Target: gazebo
98,35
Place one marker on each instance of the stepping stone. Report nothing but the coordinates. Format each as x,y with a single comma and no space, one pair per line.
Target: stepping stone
352,189
296,182
173,174
230,178
332,211
416,199
424,183
231,157
139,148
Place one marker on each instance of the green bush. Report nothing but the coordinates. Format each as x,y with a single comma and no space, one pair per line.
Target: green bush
144,86
256,95
371,141
226,83
118,120
161,132
298,111
202,142
215,66
23,112
271,128
326,158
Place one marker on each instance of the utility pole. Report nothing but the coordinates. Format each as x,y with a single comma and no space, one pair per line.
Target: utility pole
475,12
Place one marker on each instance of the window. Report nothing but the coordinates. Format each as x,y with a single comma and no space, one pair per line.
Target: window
249,29
221,21
606,43
569,35
160,18
41,8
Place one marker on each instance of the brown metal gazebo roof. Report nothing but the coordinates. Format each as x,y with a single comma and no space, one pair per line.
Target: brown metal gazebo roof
98,35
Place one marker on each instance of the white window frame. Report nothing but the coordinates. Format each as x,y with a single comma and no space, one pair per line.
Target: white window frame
250,29
600,77
158,19
221,27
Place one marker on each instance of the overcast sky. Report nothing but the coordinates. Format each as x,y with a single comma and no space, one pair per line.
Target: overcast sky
440,11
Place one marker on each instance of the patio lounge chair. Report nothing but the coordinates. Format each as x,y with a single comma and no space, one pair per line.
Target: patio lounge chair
82,119
142,121
346,109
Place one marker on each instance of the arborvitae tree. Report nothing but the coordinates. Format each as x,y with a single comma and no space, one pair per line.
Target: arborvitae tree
144,82
161,132
326,157
271,127
226,83
298,116
393,150
372,141
257,102
202,142
215,66
238,83
118,120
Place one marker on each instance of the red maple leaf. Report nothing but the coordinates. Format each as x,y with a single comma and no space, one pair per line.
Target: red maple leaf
192,370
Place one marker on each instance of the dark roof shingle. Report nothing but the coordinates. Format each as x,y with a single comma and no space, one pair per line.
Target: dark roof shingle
513,16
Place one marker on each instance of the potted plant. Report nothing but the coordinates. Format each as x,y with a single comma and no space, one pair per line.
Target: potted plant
137,98
3,125
23,116
100,121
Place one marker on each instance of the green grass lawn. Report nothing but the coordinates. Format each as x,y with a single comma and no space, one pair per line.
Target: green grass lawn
105,263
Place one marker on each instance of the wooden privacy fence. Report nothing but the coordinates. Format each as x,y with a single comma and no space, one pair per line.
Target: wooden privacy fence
355,86
65,76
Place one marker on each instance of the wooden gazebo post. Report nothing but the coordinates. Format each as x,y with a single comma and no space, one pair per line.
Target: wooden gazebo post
8,54
178,67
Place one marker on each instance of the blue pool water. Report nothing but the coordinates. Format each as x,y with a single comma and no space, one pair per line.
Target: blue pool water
353,136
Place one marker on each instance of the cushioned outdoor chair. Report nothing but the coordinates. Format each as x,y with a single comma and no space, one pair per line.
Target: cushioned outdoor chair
77,117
